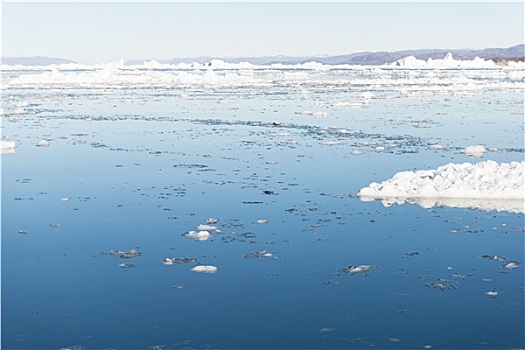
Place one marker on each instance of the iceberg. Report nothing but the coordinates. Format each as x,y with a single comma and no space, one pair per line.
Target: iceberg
448,62
485,185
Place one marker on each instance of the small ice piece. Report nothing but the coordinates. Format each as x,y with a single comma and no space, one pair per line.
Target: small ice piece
474,151
511,265
205,269
435,147
394,340
326,330
492,293
201,235
353,269
43,143
65,199
356,153
379,148
318,114
212,221
178,261
133,253
206,228
331,143
167,261
263,221
263,253
127,266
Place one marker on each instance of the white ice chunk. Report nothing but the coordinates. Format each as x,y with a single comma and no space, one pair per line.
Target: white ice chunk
201,235
205,269
43,143
474,151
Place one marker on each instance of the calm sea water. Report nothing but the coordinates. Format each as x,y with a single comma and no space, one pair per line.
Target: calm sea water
140,168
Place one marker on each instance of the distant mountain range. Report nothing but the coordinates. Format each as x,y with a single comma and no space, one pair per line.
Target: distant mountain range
363,58
34,61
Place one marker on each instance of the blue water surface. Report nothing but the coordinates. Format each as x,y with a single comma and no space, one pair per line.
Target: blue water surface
140,174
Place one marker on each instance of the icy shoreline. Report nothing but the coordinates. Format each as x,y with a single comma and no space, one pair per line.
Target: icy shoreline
484,186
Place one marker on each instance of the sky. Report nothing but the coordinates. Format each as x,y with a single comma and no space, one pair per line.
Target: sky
102,32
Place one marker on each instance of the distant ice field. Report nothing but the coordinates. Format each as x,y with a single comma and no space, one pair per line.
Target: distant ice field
161,207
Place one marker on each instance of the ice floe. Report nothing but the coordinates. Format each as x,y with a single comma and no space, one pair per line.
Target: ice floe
485,185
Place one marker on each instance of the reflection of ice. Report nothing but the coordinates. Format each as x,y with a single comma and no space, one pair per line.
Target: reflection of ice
481,204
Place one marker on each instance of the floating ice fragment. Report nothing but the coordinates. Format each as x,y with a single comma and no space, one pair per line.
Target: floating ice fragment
493,257
331,143
43,143
474,151
356,153
326,330
263,221
206,228
212,221
379,148
435,147
205,269
201,235
261,253
133,253
315,114
178,261
127,266
353,269
65,199
511,265
441,286
492,293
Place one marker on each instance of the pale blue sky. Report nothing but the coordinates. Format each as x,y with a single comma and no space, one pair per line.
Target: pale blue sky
100,32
